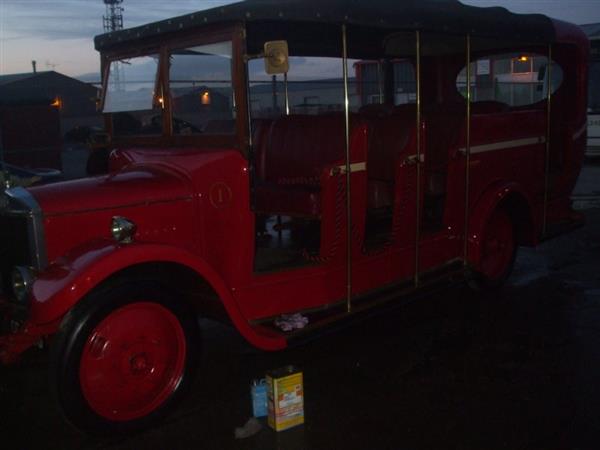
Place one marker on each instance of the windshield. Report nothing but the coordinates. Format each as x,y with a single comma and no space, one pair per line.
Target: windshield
132,98
201,89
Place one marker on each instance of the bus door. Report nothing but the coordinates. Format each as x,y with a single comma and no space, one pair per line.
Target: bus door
385,226
442,171
298,181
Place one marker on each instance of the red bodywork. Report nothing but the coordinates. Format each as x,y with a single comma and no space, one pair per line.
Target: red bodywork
194,207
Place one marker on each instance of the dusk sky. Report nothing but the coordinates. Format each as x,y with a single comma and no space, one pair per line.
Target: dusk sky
58,34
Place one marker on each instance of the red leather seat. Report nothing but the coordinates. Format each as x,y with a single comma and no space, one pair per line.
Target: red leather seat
291,159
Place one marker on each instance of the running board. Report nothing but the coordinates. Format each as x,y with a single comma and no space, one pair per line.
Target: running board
336,316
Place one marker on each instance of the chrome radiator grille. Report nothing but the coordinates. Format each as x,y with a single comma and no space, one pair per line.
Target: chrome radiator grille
21,233
14,245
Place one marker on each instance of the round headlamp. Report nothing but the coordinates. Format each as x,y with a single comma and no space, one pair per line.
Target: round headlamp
122,229
22,281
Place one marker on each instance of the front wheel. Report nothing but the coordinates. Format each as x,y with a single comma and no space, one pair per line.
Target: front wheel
498,253
123,358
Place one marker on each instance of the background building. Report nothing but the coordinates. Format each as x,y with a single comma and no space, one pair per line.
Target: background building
75,100
593,32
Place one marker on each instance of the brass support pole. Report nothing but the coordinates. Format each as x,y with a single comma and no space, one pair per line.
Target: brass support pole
248,106
467,154
380,81
287,97
348,174
548,138
418,164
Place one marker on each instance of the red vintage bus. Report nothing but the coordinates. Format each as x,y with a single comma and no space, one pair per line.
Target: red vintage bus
251,179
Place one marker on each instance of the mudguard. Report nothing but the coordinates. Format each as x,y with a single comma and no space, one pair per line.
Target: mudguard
60,287
495,194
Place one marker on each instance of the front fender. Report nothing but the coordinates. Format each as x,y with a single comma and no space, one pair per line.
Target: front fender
493,196
60,287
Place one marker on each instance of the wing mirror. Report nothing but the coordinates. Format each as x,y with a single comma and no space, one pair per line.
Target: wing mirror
277,57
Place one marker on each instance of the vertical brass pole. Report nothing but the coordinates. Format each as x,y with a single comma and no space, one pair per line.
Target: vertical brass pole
380,82
287,97
467,153
418,161
348,173
248,104
548,138
274,92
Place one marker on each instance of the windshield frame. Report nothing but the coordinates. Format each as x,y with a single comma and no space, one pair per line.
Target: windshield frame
163,47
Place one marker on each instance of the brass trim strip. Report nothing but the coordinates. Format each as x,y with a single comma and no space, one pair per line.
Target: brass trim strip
504,145
354,167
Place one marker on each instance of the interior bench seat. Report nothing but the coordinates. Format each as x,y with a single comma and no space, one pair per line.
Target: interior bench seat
291,158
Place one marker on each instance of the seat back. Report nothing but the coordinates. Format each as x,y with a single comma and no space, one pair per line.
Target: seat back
299,146
389,141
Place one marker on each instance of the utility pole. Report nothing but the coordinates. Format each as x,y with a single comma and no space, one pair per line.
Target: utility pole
113,21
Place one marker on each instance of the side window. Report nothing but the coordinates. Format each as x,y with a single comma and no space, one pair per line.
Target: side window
594,88
405,84
371,84
314,86
132,96
201,89
514,79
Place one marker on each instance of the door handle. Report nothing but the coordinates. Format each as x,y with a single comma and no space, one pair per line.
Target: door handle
413,160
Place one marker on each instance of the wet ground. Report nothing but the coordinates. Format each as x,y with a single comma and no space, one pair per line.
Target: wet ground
517,369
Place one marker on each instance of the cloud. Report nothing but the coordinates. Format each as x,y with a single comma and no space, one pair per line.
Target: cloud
72,19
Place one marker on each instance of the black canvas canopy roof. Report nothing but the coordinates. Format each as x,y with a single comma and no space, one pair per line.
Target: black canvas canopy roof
447,16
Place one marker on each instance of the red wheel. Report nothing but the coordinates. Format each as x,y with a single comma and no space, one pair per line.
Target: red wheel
497,253
124,356
132,361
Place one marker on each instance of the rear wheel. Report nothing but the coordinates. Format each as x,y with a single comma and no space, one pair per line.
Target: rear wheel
124,356
498,252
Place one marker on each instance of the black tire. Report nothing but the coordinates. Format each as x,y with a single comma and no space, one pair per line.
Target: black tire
502,227
91,320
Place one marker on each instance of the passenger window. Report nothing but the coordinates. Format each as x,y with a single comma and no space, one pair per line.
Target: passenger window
201,90
133,97
513,79
405,85
371,84
594,88
314,86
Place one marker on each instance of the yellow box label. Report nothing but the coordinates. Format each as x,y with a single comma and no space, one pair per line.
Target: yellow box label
285,401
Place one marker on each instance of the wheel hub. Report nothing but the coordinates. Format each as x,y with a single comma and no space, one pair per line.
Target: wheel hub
140,365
